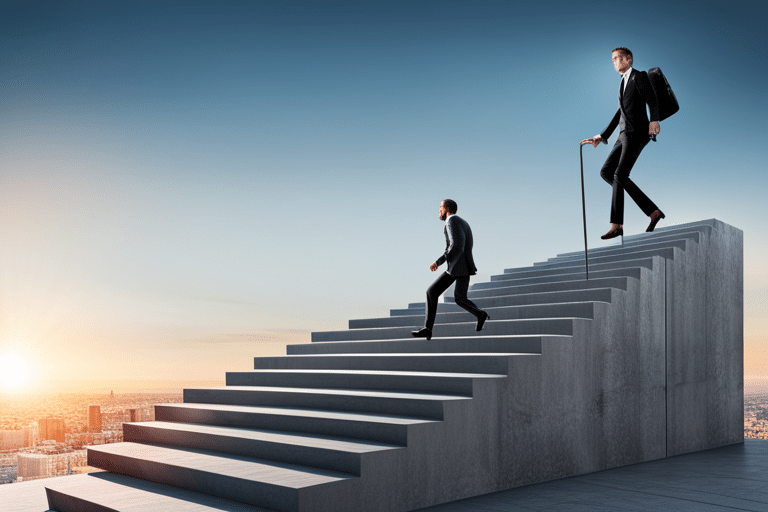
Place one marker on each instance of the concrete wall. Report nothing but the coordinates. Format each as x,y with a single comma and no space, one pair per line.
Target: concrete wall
705,349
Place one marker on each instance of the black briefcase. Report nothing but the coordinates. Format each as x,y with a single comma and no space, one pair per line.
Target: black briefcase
667,101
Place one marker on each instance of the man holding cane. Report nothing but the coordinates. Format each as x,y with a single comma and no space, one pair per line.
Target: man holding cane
635,92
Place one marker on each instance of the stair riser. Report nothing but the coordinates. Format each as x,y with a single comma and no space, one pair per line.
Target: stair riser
594,262
704,228
593,295
492,328
631,244
667,253
421,384
620,251
579,310
308,456
246,491
431,363
563,286
608,282
415,408
577,268
363,430
108,492
60,502
578,274
478,344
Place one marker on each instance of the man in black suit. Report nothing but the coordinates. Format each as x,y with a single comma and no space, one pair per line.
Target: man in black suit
635,131
458,254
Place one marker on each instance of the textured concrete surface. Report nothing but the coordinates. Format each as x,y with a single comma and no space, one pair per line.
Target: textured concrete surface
730,478
724,479
118,492
705,312
571,376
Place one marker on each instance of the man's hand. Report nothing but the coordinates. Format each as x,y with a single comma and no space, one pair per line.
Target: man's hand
594,140
433,267
654,128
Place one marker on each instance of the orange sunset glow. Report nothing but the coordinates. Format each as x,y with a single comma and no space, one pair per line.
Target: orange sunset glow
15,373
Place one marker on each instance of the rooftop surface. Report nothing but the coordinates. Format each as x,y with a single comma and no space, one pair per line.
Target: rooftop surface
730,478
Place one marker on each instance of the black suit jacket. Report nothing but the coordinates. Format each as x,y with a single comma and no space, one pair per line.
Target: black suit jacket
631,114
458,248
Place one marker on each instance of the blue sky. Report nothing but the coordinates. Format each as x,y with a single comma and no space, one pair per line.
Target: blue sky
184,185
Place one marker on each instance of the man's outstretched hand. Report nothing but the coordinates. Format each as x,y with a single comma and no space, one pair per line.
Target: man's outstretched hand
594,141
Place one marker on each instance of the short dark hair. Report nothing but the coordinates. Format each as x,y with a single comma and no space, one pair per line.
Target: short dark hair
623,50
451,206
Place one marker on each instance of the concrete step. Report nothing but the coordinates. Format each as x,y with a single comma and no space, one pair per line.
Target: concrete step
694,235
568,267
570,309
664,252
496,363
667,253
492,327
515,344
378,428
109,492
337,454
576,273
706,226
459,384
621,250
523,299
252,481
576,268
416,405
619,283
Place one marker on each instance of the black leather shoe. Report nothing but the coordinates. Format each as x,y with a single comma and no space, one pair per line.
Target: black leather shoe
481,321
655,218
613,233
423,333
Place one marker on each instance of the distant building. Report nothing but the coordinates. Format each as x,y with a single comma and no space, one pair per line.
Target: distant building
8,474
32,466
51,429
80,441
17,439
115,420
94,419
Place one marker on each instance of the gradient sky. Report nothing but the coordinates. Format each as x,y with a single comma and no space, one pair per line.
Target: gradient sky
187,184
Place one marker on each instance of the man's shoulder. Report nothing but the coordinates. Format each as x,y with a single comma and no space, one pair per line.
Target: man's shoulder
458,222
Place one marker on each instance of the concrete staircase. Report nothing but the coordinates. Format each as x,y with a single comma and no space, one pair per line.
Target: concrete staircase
570,376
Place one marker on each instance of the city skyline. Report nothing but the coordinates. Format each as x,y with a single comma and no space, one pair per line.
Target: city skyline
187,185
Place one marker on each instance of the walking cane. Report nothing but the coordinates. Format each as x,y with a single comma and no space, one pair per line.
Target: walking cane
584,210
